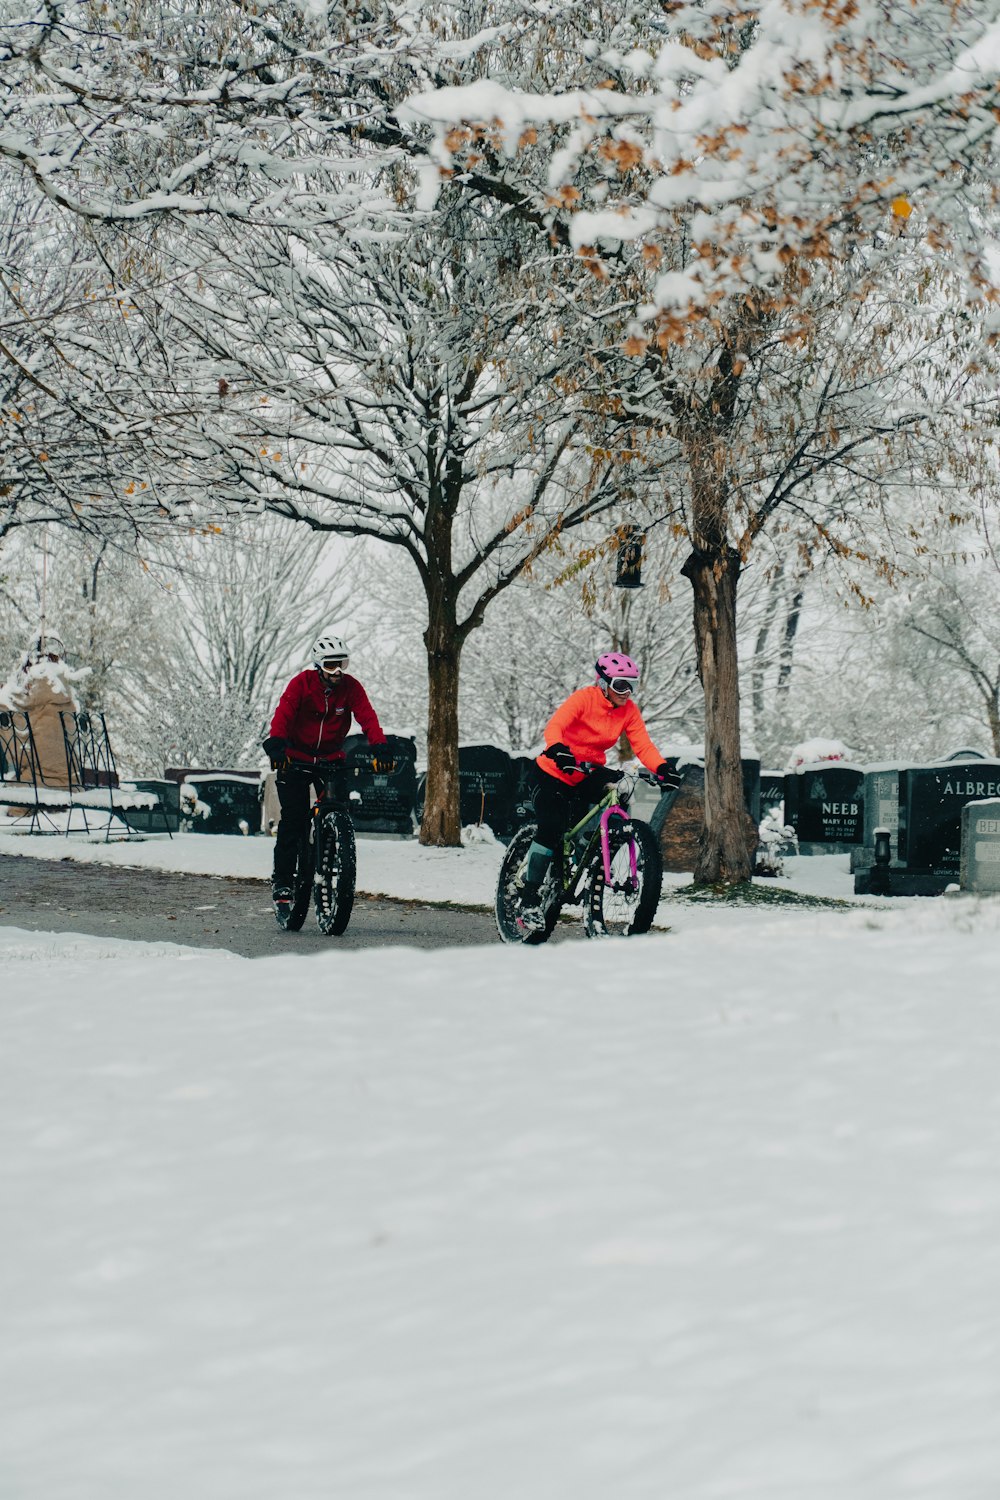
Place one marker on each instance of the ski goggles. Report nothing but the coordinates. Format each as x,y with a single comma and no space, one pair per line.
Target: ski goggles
624,685
333,666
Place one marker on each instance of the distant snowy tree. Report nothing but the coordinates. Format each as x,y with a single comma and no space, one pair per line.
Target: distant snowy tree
242,607
771,191
188,646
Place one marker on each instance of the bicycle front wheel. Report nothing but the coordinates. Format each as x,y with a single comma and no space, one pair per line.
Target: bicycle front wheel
336,870
625,905
290,915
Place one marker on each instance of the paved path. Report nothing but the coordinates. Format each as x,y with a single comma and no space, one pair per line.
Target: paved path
209,911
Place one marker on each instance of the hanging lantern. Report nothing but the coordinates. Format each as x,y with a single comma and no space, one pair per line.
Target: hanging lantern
628,574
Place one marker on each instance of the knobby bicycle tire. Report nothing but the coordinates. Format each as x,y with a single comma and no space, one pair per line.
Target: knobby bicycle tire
302,885
615,910
507,903
335,873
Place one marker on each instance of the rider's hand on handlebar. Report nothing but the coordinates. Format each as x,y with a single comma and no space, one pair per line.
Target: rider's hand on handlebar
563,757
668,777
275,748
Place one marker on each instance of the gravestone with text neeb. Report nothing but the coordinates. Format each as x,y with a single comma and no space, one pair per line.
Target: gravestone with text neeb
824,804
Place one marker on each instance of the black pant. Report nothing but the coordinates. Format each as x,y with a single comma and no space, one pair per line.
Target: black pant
294,788
558,806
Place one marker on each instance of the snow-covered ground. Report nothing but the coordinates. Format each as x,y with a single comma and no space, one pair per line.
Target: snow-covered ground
386,866
704,1215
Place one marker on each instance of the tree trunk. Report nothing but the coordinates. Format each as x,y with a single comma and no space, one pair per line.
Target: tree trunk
993,714
441,823
792,618
724,857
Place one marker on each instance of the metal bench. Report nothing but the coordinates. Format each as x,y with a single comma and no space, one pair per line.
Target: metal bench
92,782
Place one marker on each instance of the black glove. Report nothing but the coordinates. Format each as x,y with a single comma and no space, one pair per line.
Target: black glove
274,748
563,757
383,764
668,777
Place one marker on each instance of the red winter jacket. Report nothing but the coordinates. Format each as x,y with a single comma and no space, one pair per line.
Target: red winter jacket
314,717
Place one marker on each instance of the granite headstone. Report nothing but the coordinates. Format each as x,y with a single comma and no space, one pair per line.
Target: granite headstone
487,788
772,791
384,779
824,804
166,818
233,802
931,799
678,821
980,856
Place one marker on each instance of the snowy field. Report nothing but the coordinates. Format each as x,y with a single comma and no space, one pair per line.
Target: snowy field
711,1215
386,866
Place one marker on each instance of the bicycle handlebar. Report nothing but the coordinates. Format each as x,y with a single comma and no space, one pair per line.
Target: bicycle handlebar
640,773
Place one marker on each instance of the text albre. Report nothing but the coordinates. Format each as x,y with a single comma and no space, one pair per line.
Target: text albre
972,788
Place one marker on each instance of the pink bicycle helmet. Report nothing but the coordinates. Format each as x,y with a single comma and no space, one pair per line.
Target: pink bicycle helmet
615,664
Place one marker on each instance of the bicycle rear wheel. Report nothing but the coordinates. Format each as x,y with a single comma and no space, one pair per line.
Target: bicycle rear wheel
336,872
507,904
624,907
291,914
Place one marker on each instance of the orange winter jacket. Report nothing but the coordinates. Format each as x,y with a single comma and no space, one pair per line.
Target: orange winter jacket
589,724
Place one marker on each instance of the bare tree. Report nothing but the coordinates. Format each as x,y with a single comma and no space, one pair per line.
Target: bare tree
431,395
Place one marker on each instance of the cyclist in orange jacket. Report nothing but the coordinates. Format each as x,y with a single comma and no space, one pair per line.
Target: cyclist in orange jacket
583,728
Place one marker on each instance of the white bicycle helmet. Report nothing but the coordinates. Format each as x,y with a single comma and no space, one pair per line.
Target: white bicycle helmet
330,648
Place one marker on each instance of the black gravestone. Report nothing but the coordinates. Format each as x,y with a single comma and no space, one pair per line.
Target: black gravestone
752,783
678,817
772,791
524,769
233,803
487,786
824,804
752,788
980,862
166,818
931,799
385,780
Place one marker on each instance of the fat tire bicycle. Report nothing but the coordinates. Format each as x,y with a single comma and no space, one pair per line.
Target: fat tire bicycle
325,862
609,863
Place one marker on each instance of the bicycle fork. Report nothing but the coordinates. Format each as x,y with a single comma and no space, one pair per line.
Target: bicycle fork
616,811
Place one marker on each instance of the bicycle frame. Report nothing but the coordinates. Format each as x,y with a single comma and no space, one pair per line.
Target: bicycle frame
604,810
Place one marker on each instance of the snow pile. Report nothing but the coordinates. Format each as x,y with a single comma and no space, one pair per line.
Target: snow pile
813,752
683,1217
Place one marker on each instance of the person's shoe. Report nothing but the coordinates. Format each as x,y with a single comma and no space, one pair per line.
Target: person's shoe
531,919
530,916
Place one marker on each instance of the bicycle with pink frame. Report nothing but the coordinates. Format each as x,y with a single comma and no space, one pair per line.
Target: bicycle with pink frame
609,865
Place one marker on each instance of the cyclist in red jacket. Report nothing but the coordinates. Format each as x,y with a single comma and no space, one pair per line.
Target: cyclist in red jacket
583,728
310,725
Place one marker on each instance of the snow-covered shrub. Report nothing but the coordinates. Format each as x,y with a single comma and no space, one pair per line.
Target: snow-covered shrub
777,839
